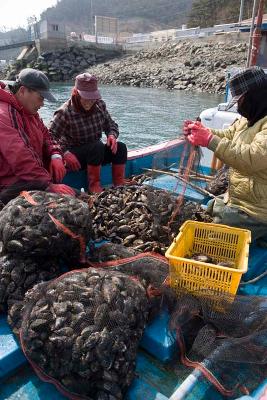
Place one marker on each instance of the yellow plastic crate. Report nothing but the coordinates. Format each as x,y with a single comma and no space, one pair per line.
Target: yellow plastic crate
221,243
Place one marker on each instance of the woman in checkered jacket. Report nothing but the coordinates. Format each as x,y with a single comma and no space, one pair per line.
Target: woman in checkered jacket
78,126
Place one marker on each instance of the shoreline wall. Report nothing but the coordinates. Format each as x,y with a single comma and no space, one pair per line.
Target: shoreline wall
62,64
188,64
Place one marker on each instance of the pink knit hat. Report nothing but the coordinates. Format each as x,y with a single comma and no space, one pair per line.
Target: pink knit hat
86,85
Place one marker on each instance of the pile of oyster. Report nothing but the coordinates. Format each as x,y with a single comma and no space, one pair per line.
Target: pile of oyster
111,252
141,217
219,184
40,223
94,320
38,230
207,259
17,276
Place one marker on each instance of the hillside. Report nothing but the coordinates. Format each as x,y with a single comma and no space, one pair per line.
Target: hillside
148,15
134,15
142,15
206,13
16,35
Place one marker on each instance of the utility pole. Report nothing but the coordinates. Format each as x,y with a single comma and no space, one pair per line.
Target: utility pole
257,35
91,29
251,32
241,11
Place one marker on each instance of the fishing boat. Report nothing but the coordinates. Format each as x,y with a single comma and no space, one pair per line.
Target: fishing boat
155,380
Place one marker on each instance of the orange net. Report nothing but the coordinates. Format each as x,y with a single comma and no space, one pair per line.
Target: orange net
186,170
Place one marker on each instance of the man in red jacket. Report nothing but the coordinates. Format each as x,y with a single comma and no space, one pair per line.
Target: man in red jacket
29,158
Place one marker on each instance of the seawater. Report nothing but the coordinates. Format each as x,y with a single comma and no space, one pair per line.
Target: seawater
145,116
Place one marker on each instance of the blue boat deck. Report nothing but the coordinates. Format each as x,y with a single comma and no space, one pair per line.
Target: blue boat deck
154,380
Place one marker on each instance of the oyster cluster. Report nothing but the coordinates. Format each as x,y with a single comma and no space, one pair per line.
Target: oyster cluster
17,275
219,184
42,223
207,259
83,330
141,217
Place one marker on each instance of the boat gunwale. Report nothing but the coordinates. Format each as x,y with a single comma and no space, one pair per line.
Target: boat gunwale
155,148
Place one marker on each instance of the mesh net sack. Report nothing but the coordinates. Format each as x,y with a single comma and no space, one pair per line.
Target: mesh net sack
141,217
37,222
94,319
219,184
224,337
151,270
19,274
111,252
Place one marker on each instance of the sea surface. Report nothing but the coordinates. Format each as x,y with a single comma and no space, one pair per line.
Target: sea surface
145,116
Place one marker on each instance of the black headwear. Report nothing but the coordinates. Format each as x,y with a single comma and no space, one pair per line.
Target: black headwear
253,105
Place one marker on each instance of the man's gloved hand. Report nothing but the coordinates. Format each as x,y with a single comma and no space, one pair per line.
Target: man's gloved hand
72,162
112,143
60,189
198,135
57,169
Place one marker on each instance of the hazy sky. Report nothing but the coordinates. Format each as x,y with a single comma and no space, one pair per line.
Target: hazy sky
14,13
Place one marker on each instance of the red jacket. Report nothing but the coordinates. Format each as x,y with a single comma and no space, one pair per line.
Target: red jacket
26,145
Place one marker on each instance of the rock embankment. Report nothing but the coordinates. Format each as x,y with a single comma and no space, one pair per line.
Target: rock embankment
180,66
186,65
63,64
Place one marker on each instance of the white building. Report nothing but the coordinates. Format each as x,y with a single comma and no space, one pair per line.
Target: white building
51,30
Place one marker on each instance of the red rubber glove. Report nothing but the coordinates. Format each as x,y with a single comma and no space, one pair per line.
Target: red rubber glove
72,162
57,170
112,143
60,189
199,135
185,127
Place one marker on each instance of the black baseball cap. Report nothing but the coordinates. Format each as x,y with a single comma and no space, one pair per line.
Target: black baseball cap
35,80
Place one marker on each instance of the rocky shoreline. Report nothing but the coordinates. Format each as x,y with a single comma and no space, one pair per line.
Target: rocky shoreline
60,65
187,65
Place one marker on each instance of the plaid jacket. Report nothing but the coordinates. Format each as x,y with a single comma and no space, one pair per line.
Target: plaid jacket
71,128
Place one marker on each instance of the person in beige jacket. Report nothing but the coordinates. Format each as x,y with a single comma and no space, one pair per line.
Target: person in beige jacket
243,147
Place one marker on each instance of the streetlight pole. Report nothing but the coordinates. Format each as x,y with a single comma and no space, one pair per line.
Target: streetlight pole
96,40
257,34
91,17
241,12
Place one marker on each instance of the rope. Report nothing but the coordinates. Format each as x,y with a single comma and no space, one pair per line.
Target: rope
256,279
73,235
187,170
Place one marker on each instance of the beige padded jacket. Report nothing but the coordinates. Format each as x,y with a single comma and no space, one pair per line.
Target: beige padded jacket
244,150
